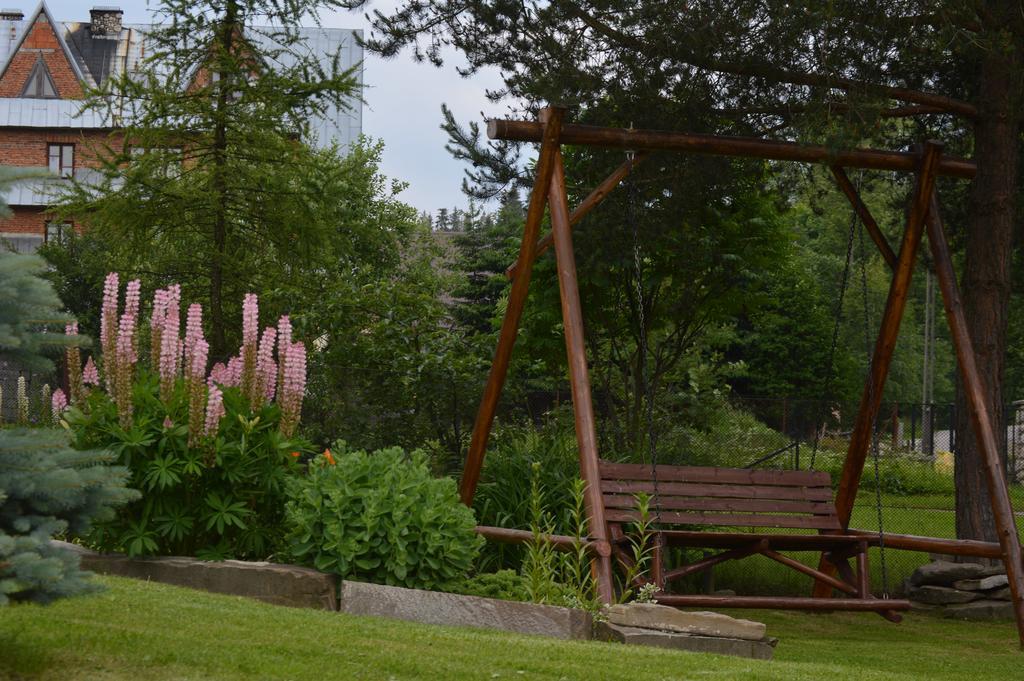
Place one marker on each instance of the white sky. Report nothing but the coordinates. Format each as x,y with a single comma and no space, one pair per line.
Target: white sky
403,103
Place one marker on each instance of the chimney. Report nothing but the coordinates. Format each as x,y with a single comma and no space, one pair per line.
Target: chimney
11,15
106,22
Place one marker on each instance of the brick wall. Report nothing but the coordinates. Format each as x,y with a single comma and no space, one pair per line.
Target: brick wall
26,220
41,40
27,147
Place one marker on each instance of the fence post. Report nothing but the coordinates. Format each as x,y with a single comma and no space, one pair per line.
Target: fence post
913,428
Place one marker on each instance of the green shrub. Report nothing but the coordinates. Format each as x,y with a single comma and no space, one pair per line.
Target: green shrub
220,498
47,489
381,518
503,498
508,585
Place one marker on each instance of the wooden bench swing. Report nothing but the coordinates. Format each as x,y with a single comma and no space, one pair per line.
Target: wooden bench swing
799,502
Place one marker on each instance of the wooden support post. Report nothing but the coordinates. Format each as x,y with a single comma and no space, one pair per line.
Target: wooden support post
871,398
981,420
551,118
579,377
863,574
865,215
586,205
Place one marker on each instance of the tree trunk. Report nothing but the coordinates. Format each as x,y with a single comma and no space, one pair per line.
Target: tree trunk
986,277
218,344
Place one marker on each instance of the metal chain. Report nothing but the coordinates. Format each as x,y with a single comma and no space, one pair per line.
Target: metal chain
645,384
830,367
874,434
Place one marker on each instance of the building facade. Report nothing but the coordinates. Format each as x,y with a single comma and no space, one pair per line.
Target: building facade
46,67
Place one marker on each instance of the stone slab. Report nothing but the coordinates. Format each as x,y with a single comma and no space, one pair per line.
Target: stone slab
1000,594
944,573
664,618
981,584
434,607
940,595
984,610
759,650
269,582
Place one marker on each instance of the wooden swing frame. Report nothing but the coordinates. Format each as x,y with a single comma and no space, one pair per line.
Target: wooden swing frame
549,192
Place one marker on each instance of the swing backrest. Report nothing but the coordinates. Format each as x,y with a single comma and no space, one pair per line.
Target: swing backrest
730,497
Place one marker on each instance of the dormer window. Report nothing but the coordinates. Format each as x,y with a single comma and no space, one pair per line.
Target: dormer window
40,84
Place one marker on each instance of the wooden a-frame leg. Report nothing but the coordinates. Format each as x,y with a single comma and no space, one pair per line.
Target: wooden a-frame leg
981,420
871,398
552,120
579,377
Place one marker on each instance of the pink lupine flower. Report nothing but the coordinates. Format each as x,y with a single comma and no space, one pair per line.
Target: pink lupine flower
90,376
284,341
170,354
233,377
197,364
214,410
284,332
125,332
250,341
293,388
218,374
266,368
108,327
270,381
197,392
250,319
193,326
108,318
124,373
156,326
58,403
73,361
132,295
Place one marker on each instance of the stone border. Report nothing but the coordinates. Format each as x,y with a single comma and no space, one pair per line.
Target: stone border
436,607
274,583
301,587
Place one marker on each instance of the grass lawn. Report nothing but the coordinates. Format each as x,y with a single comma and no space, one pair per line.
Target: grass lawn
139,630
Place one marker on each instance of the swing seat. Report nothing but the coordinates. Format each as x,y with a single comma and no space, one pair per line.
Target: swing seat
682,497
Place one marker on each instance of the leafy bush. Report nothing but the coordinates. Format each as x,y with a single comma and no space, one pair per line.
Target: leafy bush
210,449
503,498
223,498
897,475
507,585
381,518
46,489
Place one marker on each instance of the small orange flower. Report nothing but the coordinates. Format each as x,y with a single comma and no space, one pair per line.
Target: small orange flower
329,457
295,455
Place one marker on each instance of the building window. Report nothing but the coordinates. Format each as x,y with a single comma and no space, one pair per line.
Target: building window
57,231
62,159
39,83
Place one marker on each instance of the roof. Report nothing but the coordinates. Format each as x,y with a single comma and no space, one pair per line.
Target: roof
19,30
97,59
49,113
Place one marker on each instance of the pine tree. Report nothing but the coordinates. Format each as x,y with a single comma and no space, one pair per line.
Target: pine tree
206,183
47,488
